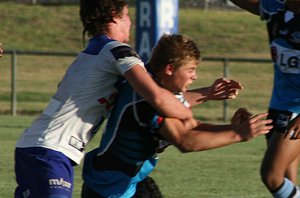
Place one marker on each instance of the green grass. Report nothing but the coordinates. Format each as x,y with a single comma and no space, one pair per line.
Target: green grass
30,27
225,33
58,28
229,172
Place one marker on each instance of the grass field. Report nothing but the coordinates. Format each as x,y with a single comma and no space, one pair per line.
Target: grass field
228,172
231,172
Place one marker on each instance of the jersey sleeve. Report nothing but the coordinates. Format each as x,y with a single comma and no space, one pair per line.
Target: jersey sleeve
126,58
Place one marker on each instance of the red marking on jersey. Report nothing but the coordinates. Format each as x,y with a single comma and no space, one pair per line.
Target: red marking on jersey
108,102
102,100
160,120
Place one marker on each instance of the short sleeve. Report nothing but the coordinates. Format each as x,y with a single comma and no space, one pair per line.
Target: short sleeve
126,58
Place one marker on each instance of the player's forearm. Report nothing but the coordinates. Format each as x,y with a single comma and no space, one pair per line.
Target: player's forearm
167,104
161,99
209,136
221,89
197,96
204,140
201,138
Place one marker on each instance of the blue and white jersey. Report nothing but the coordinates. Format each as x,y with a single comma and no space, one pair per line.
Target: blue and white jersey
127,153
284,36
83,99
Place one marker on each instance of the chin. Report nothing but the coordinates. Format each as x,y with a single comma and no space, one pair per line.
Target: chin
183,90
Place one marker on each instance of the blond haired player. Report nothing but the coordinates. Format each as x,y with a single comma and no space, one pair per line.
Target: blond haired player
136,132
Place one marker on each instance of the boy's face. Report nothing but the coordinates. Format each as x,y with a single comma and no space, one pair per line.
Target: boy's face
182,77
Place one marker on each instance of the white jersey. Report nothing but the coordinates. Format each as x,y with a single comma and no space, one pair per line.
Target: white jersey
83,99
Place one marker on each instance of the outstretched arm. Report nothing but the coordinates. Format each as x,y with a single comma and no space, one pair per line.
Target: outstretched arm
221,89
249,5
161,99
209,136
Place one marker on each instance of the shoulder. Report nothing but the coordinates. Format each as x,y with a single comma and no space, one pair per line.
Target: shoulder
121,50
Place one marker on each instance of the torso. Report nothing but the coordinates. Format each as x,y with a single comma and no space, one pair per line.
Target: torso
83,100
284,34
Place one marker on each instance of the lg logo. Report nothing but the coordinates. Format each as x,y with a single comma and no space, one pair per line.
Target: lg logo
287,59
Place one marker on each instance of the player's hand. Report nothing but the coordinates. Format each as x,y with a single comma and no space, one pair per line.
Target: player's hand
294,129
240,116
224,88
253,127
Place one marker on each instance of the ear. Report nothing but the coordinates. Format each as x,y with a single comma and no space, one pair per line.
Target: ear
169,69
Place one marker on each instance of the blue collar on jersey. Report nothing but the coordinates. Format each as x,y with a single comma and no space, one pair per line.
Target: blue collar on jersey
96,43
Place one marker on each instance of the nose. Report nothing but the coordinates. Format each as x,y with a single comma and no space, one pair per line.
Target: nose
129,20
194,77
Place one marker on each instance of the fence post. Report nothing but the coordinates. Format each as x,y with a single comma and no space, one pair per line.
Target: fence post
13,83
206,5
226,74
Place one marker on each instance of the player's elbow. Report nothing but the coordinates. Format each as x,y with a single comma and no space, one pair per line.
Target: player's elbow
191,148
190,143
185,146
186,149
